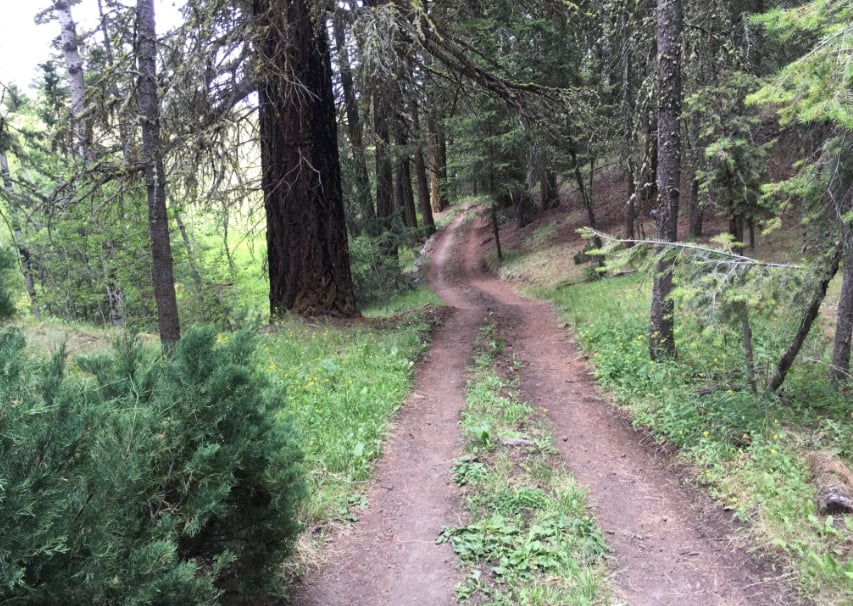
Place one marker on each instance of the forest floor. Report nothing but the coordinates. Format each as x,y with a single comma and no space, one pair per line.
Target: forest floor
671,544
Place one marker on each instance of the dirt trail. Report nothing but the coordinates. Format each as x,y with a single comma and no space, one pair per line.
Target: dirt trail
671,546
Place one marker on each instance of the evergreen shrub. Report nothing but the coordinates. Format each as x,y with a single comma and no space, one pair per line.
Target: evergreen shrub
139,479
375,272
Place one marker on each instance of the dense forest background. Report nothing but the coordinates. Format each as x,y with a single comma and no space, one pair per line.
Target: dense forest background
269,157
238,148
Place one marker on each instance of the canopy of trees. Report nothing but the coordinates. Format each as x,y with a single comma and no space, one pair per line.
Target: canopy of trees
348,125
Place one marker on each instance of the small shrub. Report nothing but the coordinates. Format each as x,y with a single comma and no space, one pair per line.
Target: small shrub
140,479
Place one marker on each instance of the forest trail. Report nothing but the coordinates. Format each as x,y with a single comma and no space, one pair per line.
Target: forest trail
671,545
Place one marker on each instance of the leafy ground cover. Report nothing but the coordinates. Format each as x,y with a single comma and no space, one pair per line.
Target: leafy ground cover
530,539
343,383
750,449
335,388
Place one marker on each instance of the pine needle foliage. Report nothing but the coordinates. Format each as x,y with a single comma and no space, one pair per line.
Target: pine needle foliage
134,478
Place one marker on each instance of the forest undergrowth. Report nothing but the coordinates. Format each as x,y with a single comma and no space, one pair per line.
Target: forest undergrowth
749,450
530,539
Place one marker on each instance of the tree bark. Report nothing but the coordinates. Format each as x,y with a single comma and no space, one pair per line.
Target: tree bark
162,272
437,165
628,108
668,35
586,196
364,198
496,230
421,174
549,189
307,248
697,213
748,351
384,173
630,207
76,81
844,321
405,194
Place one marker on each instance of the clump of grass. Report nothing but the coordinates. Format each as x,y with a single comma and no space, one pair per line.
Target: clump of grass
750,448
541,236
410,299
531,539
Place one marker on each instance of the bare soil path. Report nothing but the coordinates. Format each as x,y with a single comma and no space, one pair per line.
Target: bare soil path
671,545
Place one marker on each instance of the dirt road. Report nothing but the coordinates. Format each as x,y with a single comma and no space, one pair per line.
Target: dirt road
671,545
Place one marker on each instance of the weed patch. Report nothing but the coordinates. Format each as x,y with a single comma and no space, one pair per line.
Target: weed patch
750,448
531,539
343,384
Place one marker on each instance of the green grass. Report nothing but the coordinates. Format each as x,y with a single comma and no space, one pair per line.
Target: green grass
530,539
749,448
342,385
415,298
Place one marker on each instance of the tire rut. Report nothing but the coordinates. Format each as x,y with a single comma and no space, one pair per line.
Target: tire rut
671,545
390,557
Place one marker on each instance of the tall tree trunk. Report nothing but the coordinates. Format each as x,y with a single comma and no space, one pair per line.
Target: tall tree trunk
548,187
364,198
628,109
697,213
405,195
809,315
631,206
307,248
586,196
668,35
384,173
437,164
748,351
844,321
421,173
76,81
155,178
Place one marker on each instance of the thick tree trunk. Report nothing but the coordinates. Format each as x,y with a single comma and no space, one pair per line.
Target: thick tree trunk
668,35
549,189
421,174
155,177
307,248
364,199
809,315
844,321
